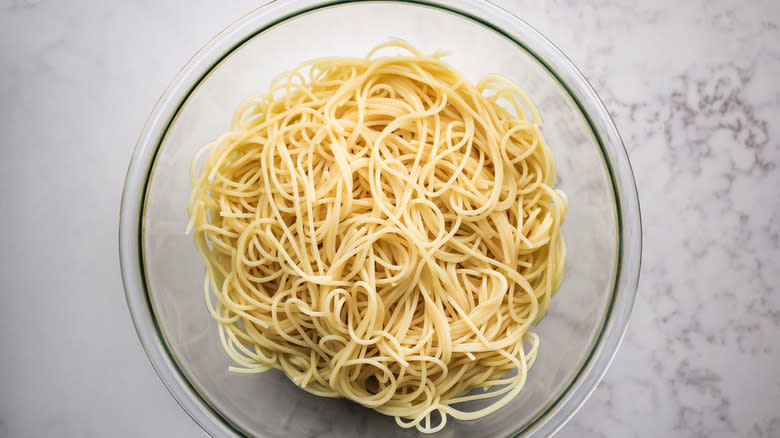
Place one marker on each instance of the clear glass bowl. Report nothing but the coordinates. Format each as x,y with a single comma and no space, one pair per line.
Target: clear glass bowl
163,274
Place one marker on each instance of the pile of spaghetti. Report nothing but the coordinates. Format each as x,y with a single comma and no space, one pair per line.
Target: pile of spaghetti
384,230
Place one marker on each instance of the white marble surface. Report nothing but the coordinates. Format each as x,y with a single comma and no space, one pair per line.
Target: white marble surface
694,87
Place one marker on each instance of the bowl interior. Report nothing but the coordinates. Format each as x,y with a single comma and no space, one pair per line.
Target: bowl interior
268,404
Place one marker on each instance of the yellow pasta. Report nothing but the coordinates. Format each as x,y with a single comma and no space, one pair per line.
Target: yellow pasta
384,230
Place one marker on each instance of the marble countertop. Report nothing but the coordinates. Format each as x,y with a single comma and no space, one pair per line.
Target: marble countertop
694,88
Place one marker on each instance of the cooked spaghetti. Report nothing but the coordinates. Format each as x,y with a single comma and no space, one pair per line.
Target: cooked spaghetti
384,230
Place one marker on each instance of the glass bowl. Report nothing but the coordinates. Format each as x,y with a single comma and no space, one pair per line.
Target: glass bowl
162,272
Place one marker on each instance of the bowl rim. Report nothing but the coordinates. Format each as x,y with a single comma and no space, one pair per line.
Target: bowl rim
141,168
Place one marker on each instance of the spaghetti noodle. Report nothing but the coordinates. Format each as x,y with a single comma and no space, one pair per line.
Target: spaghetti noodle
382,229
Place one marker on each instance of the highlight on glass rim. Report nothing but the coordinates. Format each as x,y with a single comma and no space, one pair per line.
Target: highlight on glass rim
385,230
